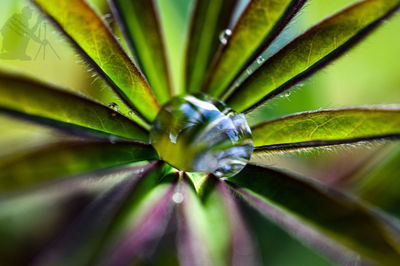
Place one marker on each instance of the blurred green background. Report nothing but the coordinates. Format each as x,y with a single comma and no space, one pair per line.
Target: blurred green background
369,74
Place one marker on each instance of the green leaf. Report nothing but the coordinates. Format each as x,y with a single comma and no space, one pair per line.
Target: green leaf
45,104
327,127
210,228
141,23
22,171
145,227
327,219
48,209
310,52
203,234
97,43
378,183
79,242
209,19
258,26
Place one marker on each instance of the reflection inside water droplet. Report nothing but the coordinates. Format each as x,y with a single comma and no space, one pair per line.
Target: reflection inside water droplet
260,60
200,134
224,36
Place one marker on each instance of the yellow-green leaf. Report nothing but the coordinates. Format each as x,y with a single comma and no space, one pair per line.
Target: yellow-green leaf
141,23
45,104
311,51
95,40
327,127
210,18
258,26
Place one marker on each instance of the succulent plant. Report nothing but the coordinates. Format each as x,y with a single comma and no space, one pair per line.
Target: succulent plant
177,179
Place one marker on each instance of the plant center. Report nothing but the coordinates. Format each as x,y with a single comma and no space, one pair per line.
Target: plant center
201,134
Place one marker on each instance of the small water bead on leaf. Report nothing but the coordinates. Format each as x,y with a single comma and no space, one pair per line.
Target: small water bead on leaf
201,134
260,60
113,106
224,36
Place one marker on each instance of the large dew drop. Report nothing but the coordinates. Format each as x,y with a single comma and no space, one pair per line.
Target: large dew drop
200,134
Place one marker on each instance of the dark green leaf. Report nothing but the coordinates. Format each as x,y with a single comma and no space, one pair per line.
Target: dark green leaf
140,21
30,220
308,53
327,127
42,103
146,227
79,241
209,19
328,220
96,41
22,171
378,182
258,26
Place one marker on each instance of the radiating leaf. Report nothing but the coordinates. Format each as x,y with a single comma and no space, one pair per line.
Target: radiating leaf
378,182
81,238
97,43
140,21
21,171
45,104
30,220
147,224
203,227
243,250
327,127
274,243
308,53
209,19
257,27
328,220
210,227
19,136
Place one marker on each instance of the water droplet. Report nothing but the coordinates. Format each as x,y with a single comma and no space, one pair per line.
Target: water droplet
113,106
201,134
286,94
177,197
224,36
249,71
131,113
260,60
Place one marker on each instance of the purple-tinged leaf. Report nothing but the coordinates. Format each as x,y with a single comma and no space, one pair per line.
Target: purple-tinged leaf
146,228
30,220
330,221
243,251
80,240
